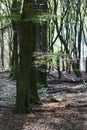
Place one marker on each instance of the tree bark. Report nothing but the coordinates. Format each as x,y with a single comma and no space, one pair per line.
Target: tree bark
42,40
2,48
14,58
25,62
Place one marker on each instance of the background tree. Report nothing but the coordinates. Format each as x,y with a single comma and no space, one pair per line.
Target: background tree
42,41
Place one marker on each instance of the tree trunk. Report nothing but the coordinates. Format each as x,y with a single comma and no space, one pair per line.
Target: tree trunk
58,68
42,40
86,65
34,97
2,49
25,63
14,60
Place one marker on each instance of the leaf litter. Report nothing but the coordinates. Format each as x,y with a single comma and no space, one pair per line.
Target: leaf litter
62,110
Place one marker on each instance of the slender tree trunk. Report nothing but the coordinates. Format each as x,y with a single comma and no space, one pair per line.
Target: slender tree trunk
58,68
10,34
2,48
14,61
80,39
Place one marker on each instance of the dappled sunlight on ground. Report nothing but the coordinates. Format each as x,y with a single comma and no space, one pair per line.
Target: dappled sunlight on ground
62,110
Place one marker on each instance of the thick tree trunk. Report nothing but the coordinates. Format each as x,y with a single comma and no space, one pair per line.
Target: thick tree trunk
25,63
24,69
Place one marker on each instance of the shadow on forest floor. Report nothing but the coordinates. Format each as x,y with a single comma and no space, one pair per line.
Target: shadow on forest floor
68,114
53,118
10,121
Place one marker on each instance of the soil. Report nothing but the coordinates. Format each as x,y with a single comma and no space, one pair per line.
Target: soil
67,112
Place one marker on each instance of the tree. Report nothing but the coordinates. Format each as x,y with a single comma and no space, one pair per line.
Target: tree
14,58
42,42
27,45
2,47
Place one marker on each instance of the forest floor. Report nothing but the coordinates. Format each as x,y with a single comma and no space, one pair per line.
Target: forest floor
64,105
